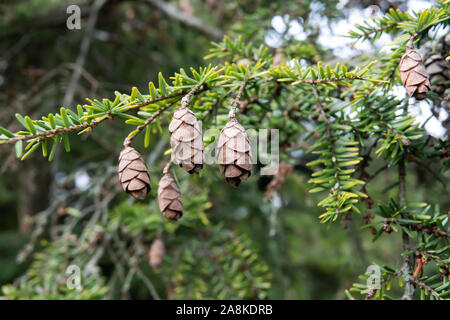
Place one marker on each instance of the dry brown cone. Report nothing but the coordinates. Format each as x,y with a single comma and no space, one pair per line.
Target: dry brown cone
133,174
233,153
413,74
186,140
169,197
156,253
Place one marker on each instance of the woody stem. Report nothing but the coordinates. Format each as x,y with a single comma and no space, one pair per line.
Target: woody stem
184,103
167,167
58,131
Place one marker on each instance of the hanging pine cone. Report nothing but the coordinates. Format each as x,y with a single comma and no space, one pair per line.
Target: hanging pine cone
413,74
169,198
233,153
186,140
133,174
156,253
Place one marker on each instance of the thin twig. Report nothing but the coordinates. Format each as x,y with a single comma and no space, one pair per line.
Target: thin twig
148,283
184,103
410,40
54,132
377,30
58,131
84,49
167,167
422,285
372,176
407,259
434,174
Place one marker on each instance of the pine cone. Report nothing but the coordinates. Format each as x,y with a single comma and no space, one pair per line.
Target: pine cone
133,174
186,140
156,253
169,198
233,153
413,74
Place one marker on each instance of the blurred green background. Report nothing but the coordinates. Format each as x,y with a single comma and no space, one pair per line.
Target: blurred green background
131,41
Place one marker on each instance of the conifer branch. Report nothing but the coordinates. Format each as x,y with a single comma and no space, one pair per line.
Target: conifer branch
187,98
232,113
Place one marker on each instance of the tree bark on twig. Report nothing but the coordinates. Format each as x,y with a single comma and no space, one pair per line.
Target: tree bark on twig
192,22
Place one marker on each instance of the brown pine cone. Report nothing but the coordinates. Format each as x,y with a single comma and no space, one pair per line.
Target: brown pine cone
156,253
437,66
439,71
413,74
133,174
169,198
186,140
233,153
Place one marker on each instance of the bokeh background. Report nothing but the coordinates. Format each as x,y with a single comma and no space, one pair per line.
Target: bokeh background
73,210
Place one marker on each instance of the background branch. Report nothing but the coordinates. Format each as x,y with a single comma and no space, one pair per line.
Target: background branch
192,22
